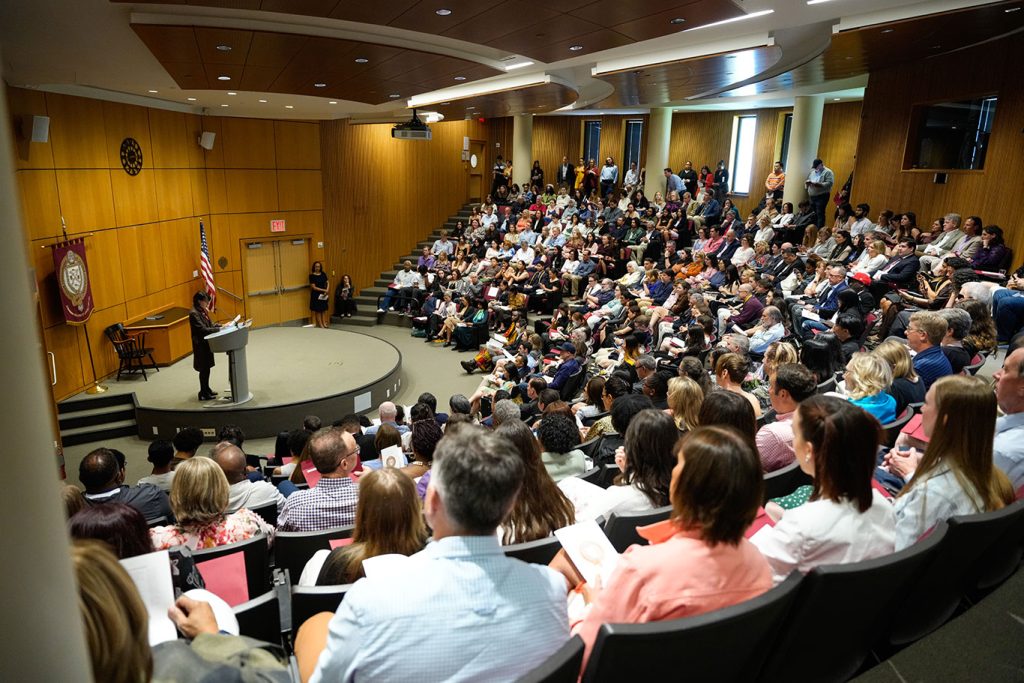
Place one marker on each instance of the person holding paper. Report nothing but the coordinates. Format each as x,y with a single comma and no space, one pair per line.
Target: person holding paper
202,357
698,560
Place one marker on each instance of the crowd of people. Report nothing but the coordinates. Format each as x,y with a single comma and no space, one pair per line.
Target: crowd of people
677,348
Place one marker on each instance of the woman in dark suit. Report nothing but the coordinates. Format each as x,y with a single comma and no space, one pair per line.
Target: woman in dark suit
202,356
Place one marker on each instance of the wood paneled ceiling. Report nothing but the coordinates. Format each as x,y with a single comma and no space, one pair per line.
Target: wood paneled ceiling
534,99
294,64
858,51
675,81
539,29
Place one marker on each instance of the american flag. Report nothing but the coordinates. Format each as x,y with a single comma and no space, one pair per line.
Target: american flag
205,269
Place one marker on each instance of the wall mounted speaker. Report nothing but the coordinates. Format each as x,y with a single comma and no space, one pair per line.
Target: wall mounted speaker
206,140
40,129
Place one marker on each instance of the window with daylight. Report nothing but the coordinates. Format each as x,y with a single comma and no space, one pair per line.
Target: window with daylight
787,130
592,141
743,132
634,132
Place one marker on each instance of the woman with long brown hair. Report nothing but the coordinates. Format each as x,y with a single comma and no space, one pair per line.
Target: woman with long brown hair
955,475
540,507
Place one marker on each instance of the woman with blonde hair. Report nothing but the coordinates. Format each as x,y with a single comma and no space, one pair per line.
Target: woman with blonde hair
684,400
906,386
955,475
389,520
199,499
867,378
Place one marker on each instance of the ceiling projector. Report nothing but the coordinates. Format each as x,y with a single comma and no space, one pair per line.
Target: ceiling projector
414,129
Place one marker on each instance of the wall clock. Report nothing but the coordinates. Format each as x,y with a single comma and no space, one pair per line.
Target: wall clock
131,156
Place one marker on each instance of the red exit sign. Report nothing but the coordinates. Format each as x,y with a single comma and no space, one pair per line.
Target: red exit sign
277,226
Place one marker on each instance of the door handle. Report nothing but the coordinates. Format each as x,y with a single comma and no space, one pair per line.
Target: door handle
263,292
53,368
294,289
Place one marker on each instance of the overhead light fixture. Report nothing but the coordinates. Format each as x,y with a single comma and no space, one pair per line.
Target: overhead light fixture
263,101
936,47
459,78
836,99
817,2
677,21
442,12
333,102
744,17
232,93
445,104
887,30
361,60
1011,9
575,48
394,95
319,85
288,106
223,105
520,65
153,91
467,90
224,48
191,99
223,78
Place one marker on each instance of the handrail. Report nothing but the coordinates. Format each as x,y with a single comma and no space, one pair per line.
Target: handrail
231,294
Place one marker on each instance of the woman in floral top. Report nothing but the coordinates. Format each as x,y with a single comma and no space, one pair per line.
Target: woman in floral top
199,497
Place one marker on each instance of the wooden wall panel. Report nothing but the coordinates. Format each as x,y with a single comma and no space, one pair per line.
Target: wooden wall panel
40,207
126,121
246,143
212,158
135,198
196,154
46,282
133,276
553,138
103,257
992,193
840,129
299,190
249,191
151,249
173,193
77,133
86,199
62,342
169,138
103,355
297,144
23,105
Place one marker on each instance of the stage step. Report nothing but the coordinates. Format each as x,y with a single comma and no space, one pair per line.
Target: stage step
96,419
359,320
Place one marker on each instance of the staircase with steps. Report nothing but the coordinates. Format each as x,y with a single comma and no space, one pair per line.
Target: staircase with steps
366,301
96,419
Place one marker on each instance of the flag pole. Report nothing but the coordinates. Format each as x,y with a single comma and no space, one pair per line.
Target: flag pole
96,387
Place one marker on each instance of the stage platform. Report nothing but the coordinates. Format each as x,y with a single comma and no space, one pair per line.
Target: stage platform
293,372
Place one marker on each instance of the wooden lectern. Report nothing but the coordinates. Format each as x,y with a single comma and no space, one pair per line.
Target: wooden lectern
232,340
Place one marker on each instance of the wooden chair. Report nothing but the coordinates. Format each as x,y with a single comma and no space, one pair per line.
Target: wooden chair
131,350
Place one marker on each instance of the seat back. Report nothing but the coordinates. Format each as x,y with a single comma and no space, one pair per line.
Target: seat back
725,645
255,558
573,384
589,421
827,386
292,549
934,597
310,600
563,666
260,618
156,521
608,473
593,475
1003,557
268,512
840,610
541,551
783,482
892,430
621,529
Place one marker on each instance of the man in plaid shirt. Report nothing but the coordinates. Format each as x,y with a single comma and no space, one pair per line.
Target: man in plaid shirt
792,384
332,502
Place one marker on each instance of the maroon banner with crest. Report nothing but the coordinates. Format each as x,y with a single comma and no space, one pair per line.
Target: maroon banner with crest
73,281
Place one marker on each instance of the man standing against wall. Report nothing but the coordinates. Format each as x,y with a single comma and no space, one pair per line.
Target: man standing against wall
819,188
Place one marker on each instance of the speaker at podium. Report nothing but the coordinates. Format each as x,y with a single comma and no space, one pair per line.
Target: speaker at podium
232,339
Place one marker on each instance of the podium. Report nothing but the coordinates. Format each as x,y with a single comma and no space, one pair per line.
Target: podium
232,340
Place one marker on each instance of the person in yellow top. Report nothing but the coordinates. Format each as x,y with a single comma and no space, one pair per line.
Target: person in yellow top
581,172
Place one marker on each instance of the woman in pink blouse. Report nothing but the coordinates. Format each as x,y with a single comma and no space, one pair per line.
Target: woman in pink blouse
199,497
698,560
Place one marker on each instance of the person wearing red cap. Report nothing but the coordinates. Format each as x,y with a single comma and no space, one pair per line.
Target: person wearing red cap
859,282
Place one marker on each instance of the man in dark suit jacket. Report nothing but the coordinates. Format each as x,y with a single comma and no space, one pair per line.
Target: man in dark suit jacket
202,357
900,272
566,174
103,478
729,246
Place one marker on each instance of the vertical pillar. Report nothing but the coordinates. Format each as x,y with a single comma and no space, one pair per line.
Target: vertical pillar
522,148
659,131
804,136
40,620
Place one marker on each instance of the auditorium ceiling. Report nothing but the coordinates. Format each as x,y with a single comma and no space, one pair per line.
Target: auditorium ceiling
323,59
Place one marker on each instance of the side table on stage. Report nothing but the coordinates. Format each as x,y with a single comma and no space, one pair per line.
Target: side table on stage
232,340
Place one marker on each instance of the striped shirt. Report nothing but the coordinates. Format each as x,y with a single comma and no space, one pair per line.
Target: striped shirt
331,503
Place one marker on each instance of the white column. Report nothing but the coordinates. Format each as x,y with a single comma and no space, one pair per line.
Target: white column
522,149
659,130
804,136
42,629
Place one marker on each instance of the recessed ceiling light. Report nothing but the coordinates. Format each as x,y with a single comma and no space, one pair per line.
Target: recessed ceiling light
154,91
263,101
575,48
333,102
191,99
445,104
224,48
443,12
836,99
319,85
460,78
361,60
223,105
888,30
288,106
232,93
936,47
223,78
677,21
394,96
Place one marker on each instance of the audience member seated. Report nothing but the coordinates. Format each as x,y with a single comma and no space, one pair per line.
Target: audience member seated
1008,447
823,356
541,507
243,493
955,475
388,412
730,373
958,326
845,519
73,500
698,560
684,399
559,438
332,502
297,440
867,378
624,409
124,529
199,498
160,454
186,442
388,520
790,386
924,337
102,475
464,587
906,386
614,387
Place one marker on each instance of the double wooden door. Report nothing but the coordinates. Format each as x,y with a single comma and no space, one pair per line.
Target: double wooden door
276,277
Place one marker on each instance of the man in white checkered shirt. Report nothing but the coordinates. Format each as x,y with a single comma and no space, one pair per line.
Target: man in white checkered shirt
332,502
